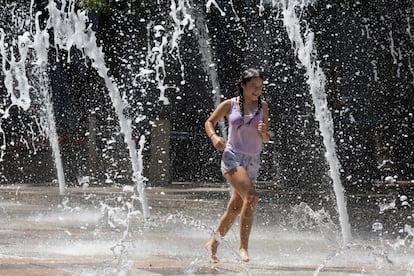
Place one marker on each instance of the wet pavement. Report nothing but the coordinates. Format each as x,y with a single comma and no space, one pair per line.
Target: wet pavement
100,231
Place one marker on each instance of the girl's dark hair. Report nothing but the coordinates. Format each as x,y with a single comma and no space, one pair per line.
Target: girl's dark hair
246,76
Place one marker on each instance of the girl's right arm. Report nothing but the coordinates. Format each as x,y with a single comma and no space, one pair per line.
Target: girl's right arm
223,109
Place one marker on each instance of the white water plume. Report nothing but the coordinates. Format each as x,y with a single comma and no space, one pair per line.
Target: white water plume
21,93
304,50
70,29
41,44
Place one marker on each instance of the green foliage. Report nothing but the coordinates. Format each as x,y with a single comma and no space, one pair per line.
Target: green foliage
96,5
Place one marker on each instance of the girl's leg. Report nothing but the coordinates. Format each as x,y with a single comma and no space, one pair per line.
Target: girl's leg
233,210
227,219
244,187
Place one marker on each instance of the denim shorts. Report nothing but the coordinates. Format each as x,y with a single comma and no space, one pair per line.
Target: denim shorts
231,160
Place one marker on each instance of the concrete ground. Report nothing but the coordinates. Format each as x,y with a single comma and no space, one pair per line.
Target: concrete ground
100,231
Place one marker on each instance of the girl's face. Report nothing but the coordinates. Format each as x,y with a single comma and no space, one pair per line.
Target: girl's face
252,89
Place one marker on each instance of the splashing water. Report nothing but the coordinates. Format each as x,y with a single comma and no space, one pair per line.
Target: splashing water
316,81
70,29
304,218
40,44
213,2
161,42
14,71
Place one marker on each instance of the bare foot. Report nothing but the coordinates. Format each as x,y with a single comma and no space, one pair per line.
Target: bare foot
244,255
211,248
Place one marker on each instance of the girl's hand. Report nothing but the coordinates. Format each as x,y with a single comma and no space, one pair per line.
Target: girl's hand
218,142
262,129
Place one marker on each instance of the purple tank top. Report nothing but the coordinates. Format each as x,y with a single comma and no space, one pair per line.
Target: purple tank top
243,134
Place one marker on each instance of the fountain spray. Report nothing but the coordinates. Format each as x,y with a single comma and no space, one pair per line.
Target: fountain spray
70,29
316,81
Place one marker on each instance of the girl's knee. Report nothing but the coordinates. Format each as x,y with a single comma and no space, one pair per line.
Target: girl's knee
252,198
235,205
